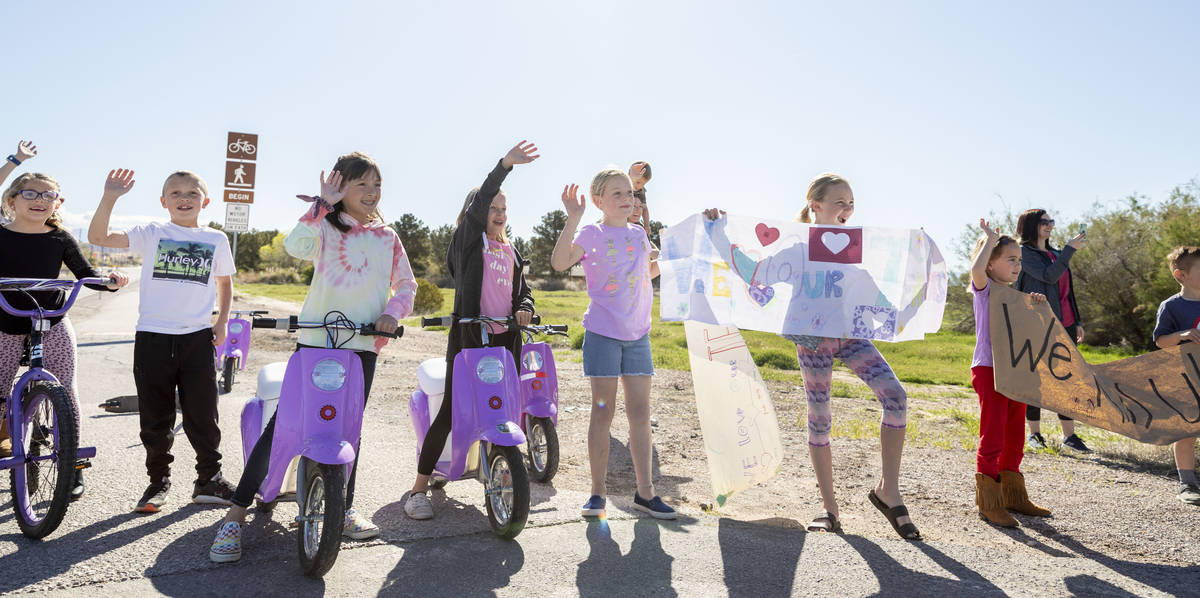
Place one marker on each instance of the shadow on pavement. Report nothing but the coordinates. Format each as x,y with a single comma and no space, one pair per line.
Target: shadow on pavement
759,557
896,579
644,571
474,565
1171,579
39,560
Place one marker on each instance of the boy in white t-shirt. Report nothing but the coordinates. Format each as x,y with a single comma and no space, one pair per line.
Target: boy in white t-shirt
184,268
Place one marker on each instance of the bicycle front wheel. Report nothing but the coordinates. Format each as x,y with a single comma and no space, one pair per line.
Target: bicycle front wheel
42,488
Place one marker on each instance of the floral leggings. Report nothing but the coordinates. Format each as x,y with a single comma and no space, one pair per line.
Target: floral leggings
58,357
864,359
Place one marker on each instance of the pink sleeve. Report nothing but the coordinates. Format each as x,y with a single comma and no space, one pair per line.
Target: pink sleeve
403,283
316,211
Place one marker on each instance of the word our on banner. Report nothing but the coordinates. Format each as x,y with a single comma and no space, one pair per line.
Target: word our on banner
741,432
1154,397
795,278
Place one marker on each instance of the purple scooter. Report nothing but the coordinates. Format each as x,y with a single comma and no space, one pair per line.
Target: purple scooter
317,399
484,434
41,422
539,402
232,354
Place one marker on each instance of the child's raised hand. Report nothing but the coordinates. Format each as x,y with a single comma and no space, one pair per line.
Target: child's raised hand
1036,298
713,213
26,150
991,233
521,153
331,187
573,205
119,182
116,279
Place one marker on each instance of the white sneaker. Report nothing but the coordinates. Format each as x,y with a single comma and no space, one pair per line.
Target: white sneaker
418,506
359,527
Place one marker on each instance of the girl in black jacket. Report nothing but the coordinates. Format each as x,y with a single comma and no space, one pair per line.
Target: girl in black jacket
478,249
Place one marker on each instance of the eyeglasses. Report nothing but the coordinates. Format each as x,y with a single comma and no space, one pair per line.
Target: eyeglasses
32,195
1046,222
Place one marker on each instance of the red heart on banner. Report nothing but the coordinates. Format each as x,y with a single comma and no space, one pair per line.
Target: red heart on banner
766,234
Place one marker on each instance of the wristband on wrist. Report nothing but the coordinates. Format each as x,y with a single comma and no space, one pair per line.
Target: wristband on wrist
14,160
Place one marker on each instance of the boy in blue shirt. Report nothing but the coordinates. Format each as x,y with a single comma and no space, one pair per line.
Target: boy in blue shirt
1178,322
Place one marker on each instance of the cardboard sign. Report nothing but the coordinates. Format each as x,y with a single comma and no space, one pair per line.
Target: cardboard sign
239,175
1154,398
242,146
237,217
239,196
792,278
741,432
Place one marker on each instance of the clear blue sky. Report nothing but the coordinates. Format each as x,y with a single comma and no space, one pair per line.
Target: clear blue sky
932,110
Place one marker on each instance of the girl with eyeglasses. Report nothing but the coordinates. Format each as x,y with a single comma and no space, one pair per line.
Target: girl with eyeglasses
1045,269
34,244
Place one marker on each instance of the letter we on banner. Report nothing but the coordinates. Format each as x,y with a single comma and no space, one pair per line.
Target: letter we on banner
1154,398
741,432
793,278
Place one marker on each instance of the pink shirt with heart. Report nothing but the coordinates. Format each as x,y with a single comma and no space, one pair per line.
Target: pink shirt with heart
616,265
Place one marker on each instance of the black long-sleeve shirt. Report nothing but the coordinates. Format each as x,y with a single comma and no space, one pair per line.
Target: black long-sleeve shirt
464,259
38,255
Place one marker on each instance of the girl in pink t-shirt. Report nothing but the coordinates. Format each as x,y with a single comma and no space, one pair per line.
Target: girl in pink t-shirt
616,341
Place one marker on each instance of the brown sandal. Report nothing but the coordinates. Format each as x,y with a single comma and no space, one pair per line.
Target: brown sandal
908,531
826,522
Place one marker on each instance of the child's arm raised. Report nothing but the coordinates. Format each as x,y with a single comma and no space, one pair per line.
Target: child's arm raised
979,277
566,252
25,151
477,212
119,183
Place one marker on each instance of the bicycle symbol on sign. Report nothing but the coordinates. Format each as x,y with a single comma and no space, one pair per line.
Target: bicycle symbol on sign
242,146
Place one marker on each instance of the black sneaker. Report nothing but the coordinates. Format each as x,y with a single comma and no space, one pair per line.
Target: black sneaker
1036,441
1189,493
1076,443
77,488
655,507
216,491
154,497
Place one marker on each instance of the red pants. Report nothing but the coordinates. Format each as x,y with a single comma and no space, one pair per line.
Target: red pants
1001,426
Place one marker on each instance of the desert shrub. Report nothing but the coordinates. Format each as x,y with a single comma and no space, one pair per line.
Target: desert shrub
429,297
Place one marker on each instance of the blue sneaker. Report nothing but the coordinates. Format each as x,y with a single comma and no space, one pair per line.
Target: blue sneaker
655,507
594,507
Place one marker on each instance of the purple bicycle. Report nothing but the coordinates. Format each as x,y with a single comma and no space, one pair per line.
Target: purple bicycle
41,420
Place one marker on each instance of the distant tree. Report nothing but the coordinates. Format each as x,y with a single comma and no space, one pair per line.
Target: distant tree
415,237
439,246
541,245
275,255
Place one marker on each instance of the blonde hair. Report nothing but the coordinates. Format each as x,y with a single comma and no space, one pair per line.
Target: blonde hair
16,187
600,181
1001,243
1182,257
463,214
185,174
816,192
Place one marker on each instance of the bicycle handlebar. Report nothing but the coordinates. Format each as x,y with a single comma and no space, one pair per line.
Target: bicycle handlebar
292,324
44,284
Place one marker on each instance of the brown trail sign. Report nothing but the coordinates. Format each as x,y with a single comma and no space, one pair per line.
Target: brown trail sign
1154,398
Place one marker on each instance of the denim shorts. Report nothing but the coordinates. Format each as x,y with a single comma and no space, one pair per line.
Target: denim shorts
605,357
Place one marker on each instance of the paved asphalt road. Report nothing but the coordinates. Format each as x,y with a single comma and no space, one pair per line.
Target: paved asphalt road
103,549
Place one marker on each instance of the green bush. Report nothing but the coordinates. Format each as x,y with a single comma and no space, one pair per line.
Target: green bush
577,338
306,273
429,297
780,360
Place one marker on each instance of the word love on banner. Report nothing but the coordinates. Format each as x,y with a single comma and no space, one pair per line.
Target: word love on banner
794,278
741,432
1154,398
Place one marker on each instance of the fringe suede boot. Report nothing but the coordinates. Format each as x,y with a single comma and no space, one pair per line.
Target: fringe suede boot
991,503
1012,486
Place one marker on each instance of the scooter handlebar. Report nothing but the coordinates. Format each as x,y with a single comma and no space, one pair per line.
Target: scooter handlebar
448,320
369,330
436,321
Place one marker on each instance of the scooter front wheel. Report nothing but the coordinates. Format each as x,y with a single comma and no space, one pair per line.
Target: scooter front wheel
322,516
507,491
227,375
542,444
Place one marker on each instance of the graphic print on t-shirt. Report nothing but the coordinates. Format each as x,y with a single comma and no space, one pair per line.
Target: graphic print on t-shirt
184,261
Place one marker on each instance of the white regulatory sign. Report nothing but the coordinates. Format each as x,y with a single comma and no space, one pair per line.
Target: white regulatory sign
237,217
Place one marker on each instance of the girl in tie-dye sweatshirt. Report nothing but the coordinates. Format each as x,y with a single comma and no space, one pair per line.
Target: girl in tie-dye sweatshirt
359,269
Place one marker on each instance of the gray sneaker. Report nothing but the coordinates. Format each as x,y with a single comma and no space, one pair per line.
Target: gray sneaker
1036,442
418,506
216,491
1189,493
1076,443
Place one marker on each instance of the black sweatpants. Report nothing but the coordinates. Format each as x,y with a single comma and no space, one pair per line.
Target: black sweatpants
260,456
459,338
163,363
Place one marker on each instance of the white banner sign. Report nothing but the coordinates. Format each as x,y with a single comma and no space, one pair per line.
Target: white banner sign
741,432
237,217
793,278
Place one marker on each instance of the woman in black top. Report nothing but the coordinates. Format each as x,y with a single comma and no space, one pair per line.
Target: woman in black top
1046,270
33,244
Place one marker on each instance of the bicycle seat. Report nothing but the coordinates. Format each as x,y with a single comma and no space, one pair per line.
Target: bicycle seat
431,376
270,380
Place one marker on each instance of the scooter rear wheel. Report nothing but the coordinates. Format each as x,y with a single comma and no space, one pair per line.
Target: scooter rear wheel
542,445
322,517
506,493
227,375
42,487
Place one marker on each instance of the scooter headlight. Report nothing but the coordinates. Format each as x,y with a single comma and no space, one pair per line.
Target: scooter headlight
235,328
489,370
329,375
532,361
